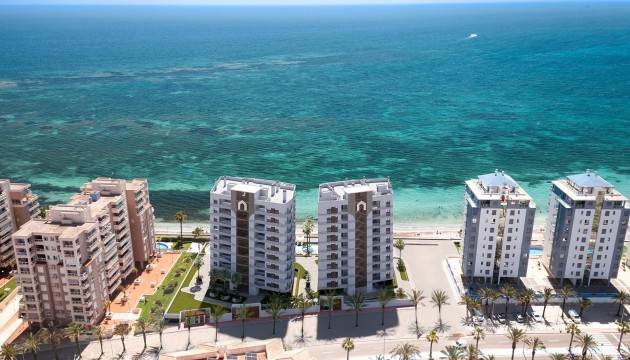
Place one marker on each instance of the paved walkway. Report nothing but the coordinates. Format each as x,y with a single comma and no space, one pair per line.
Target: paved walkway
143,287
10,321
309,265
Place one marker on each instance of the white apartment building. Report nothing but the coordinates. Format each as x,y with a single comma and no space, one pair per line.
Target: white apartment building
252,224
61,267
355,230
586,228
18,205
141,220
498,225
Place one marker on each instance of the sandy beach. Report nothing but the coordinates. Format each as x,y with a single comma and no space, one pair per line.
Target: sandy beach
444,232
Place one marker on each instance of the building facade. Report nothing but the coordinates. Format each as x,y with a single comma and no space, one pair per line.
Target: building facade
586,228
355,232
18,205
61,268
252,224
498,226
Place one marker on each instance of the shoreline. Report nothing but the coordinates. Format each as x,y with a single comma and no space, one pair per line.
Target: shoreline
407,231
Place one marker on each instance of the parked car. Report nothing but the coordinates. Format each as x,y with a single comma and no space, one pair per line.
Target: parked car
574,316
535,316
519,318
500,318
461,344
479,315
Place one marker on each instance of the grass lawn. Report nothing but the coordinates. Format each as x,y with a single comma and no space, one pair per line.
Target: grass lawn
403,275
186,301
11,284
159,295
298,277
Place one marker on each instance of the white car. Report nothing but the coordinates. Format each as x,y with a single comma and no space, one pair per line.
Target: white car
574,316
535,316
461,344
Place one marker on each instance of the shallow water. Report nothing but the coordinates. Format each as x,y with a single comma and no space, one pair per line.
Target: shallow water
182,96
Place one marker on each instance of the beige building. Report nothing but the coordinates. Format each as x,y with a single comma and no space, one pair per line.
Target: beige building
18,205
271,349
75,259
60,267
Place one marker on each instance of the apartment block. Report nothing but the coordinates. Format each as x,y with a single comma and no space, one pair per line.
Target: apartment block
355,229
61,267
141,220
252,224
498,225
18,205
586,228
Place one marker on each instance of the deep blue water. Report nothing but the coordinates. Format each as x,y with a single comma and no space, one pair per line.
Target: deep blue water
307,95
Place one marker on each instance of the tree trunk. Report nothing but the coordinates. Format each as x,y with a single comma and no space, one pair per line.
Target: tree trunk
416,311
571,341
513,348
144,338
564,302
122,339
161,341
302,326
54,346
533,353
620,337
619,309
76,342
274,326
347,354
506,307
382,315
329,316
544,309
431,350
35,354
100,339
181,230
357,319
243,333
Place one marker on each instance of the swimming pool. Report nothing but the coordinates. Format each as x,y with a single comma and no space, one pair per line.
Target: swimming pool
162,246
535,252
314,248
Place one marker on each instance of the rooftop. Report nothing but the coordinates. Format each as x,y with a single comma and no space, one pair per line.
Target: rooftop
498,186
267,190
589,179
339,189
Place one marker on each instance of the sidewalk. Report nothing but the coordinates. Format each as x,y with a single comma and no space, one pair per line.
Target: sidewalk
10,320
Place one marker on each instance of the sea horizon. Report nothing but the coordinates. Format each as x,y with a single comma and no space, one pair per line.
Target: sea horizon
308,95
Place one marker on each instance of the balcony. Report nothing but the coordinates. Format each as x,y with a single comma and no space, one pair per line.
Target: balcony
332,257
332,266
332,275
332,284
332,229
332,247
273,258
332,238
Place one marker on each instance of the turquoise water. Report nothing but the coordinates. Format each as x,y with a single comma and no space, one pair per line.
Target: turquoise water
307,95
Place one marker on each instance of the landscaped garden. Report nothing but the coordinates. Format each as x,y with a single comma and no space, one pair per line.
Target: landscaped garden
7,289
170,285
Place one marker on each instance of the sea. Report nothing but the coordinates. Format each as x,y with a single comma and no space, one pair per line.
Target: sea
427,95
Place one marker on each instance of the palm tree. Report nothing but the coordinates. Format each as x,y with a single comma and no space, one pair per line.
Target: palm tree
52,334
122,330
471,352
406,351
197,232
275,307
515,335
587,343
585,304
509,292
73,331
347,345
432,337
439,298
416,296
527,296
9,351
623,328
547,293
32,344
198,264
237,279
494,296
566,292
225,276
622,298
400,245
489,357
159,324
107,305
573,329
329,302
42,212
383,296
357,301
485,294
478,334
98,332
468,302
142,324
180,217
123,289
307,229
243,314
302,304
453,353
534,343
558,356
188,323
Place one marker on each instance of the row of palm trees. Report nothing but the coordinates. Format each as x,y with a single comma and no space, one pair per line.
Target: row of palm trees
408,351
524,298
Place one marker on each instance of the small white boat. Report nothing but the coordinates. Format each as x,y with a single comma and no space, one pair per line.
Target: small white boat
472,36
